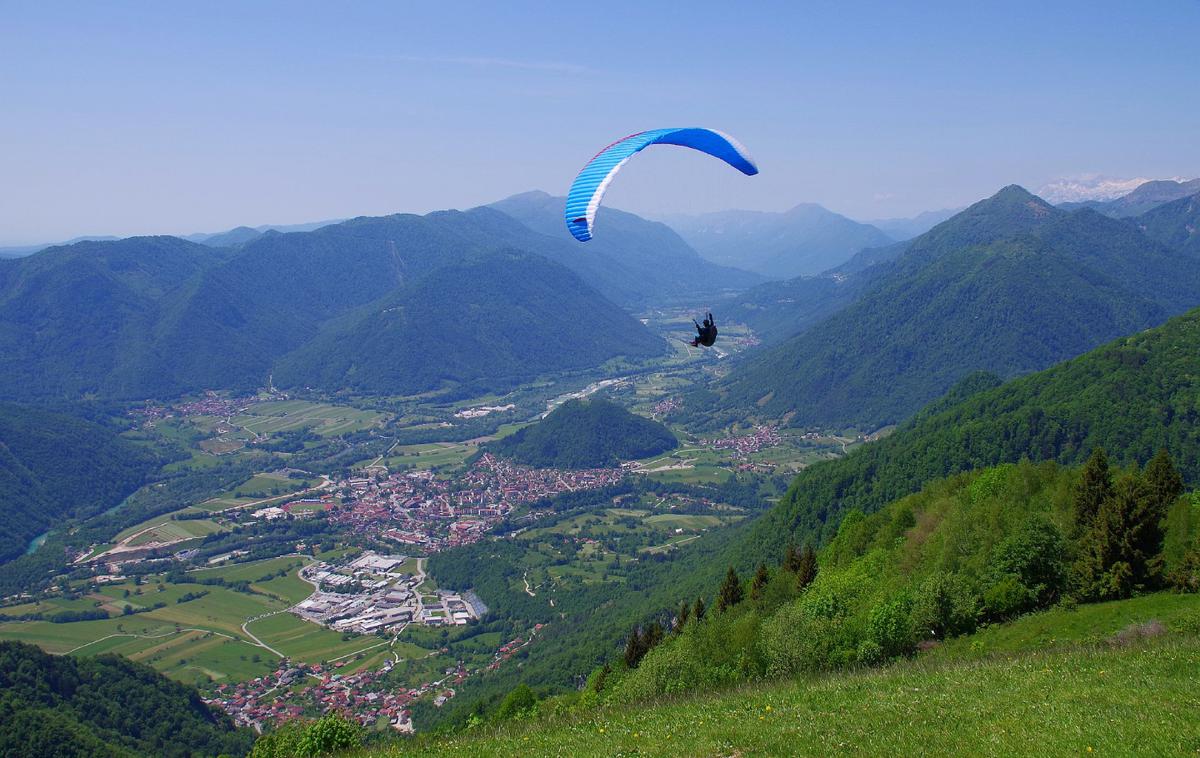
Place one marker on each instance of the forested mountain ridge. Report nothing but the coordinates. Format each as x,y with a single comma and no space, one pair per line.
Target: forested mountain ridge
54,466
159,316
104,706
805,240
784,309
586,434
502,317
1009,286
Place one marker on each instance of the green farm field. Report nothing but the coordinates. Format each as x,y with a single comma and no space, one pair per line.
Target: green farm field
289,415
304,641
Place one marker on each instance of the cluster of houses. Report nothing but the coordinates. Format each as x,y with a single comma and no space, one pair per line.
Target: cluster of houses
294,690
211,404
372,594
418,508
663,407
745,444
297,689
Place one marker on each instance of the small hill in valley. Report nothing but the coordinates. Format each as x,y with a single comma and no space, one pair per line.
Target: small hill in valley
586,434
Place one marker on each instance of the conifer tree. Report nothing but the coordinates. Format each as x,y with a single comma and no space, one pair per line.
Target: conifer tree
807,568
1163,481
759,586
730,593
652,636
634,648
1095,486
791,558
1117,554
681,618
698,609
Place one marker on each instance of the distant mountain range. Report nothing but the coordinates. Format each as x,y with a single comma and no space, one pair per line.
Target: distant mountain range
1010,285
237,236
906,228
806,240
632,261
1142,199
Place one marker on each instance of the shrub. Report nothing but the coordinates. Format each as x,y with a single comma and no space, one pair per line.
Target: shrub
945,606
890,630
1008,598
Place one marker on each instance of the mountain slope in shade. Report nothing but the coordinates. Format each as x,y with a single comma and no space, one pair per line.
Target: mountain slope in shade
1012,285
1175,224
54,466
805,240
631,261
495,320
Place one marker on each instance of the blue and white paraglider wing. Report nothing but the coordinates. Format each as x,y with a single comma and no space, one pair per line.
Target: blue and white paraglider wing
584,198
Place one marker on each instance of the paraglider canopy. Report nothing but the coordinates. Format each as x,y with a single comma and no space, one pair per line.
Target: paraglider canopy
584,198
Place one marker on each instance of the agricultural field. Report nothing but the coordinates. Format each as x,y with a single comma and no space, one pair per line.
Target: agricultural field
274,416
434,455
196,640
175,531
591,547
304,641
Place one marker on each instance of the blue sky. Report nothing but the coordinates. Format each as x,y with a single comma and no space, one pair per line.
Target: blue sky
124,118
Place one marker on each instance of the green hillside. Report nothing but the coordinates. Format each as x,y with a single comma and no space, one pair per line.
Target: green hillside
1131,397
960,571
104,706
55,466
1009,286
586,434
495,320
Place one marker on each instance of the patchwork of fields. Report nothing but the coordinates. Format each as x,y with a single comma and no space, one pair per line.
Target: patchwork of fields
196,640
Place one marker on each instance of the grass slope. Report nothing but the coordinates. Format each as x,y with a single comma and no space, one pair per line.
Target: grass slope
1102,700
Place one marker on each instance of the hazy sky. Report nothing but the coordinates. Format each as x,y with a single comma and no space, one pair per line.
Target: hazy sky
123,118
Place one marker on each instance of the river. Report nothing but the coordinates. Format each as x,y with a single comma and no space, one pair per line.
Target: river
36,542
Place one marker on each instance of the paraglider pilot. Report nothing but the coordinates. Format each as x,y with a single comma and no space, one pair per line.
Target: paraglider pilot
707,334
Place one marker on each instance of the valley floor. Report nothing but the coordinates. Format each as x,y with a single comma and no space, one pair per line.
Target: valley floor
1134,699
